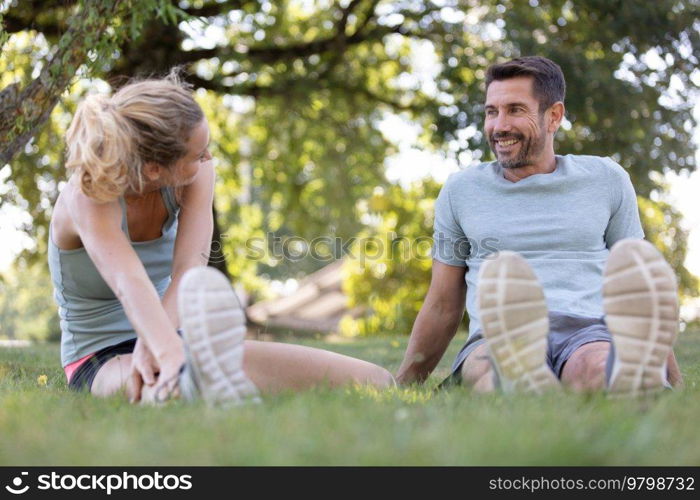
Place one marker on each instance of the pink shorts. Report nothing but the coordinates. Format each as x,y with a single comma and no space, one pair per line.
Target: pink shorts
71,368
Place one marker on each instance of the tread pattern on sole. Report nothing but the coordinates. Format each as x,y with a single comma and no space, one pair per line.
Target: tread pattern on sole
213,324
514,319
641,307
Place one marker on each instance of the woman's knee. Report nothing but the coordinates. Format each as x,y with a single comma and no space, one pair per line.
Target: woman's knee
381,378
111,377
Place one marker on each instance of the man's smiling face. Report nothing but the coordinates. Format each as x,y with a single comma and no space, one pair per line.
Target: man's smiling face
514,126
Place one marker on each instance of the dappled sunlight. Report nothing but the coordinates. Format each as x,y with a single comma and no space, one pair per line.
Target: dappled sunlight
333,126
397,426
410,395
314,141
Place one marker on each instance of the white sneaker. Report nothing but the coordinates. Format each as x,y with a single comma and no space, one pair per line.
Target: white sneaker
214,326
514,320
640,295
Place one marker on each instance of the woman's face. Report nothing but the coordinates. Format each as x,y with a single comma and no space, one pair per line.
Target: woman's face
197,155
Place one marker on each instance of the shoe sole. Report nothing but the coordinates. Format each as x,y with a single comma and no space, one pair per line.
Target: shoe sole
214,327
640,296
514,320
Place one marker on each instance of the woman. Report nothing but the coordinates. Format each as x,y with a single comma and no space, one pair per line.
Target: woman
133,219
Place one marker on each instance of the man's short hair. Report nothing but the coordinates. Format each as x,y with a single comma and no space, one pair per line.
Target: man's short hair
548,79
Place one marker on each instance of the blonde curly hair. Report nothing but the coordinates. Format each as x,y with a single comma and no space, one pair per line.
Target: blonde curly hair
111,138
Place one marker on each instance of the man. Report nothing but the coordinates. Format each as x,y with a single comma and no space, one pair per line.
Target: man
536,305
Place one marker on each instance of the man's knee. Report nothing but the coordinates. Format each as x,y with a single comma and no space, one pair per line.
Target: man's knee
476,366
585,369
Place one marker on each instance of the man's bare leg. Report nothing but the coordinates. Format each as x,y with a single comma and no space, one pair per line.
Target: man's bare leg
477,372
584,371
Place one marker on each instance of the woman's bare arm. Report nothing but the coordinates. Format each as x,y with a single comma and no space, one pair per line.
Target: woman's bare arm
195,227
99,228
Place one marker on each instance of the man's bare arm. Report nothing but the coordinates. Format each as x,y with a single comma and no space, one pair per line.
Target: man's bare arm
436,323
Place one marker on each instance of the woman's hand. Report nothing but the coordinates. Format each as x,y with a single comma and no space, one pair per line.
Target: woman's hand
170,361
143,371
154,379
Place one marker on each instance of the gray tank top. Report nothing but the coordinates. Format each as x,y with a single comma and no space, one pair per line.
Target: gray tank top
91,316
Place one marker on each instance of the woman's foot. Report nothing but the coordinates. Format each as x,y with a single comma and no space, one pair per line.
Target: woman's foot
214,326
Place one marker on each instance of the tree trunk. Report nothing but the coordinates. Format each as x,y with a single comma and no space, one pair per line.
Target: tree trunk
23,111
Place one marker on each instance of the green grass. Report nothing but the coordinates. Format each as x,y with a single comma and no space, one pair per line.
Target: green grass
48,425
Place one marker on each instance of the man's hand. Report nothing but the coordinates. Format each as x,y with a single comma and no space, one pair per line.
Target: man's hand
435,325
673,372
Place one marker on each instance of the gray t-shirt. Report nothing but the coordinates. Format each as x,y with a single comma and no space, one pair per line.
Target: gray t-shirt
563,223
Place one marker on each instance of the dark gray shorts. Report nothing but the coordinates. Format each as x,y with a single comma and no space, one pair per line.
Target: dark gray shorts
84,376
567,332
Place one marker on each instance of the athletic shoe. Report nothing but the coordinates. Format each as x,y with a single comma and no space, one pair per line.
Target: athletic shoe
213,326
640,295
514,320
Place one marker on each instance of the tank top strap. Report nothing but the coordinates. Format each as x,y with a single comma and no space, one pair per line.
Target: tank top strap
125,222
168,194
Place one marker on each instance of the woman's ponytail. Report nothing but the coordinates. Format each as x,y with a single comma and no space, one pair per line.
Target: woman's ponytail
112,138
102,150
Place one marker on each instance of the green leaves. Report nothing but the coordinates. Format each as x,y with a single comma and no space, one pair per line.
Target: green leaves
294,94
388,272
27,311
619,77
94,30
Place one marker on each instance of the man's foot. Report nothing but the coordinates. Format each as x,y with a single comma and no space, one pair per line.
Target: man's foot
213,325
640,295
514,319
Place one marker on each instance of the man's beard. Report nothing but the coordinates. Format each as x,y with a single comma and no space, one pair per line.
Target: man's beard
529,149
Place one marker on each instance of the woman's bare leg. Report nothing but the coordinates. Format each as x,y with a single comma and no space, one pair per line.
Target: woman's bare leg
273,367
112,376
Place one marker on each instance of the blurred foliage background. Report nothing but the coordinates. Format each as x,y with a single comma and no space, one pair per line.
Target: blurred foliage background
299,95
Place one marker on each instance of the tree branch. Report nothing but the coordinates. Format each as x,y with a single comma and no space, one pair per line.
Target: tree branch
32,105
359,89
343,22
27,15
216,9
337,42
15,24
283,88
